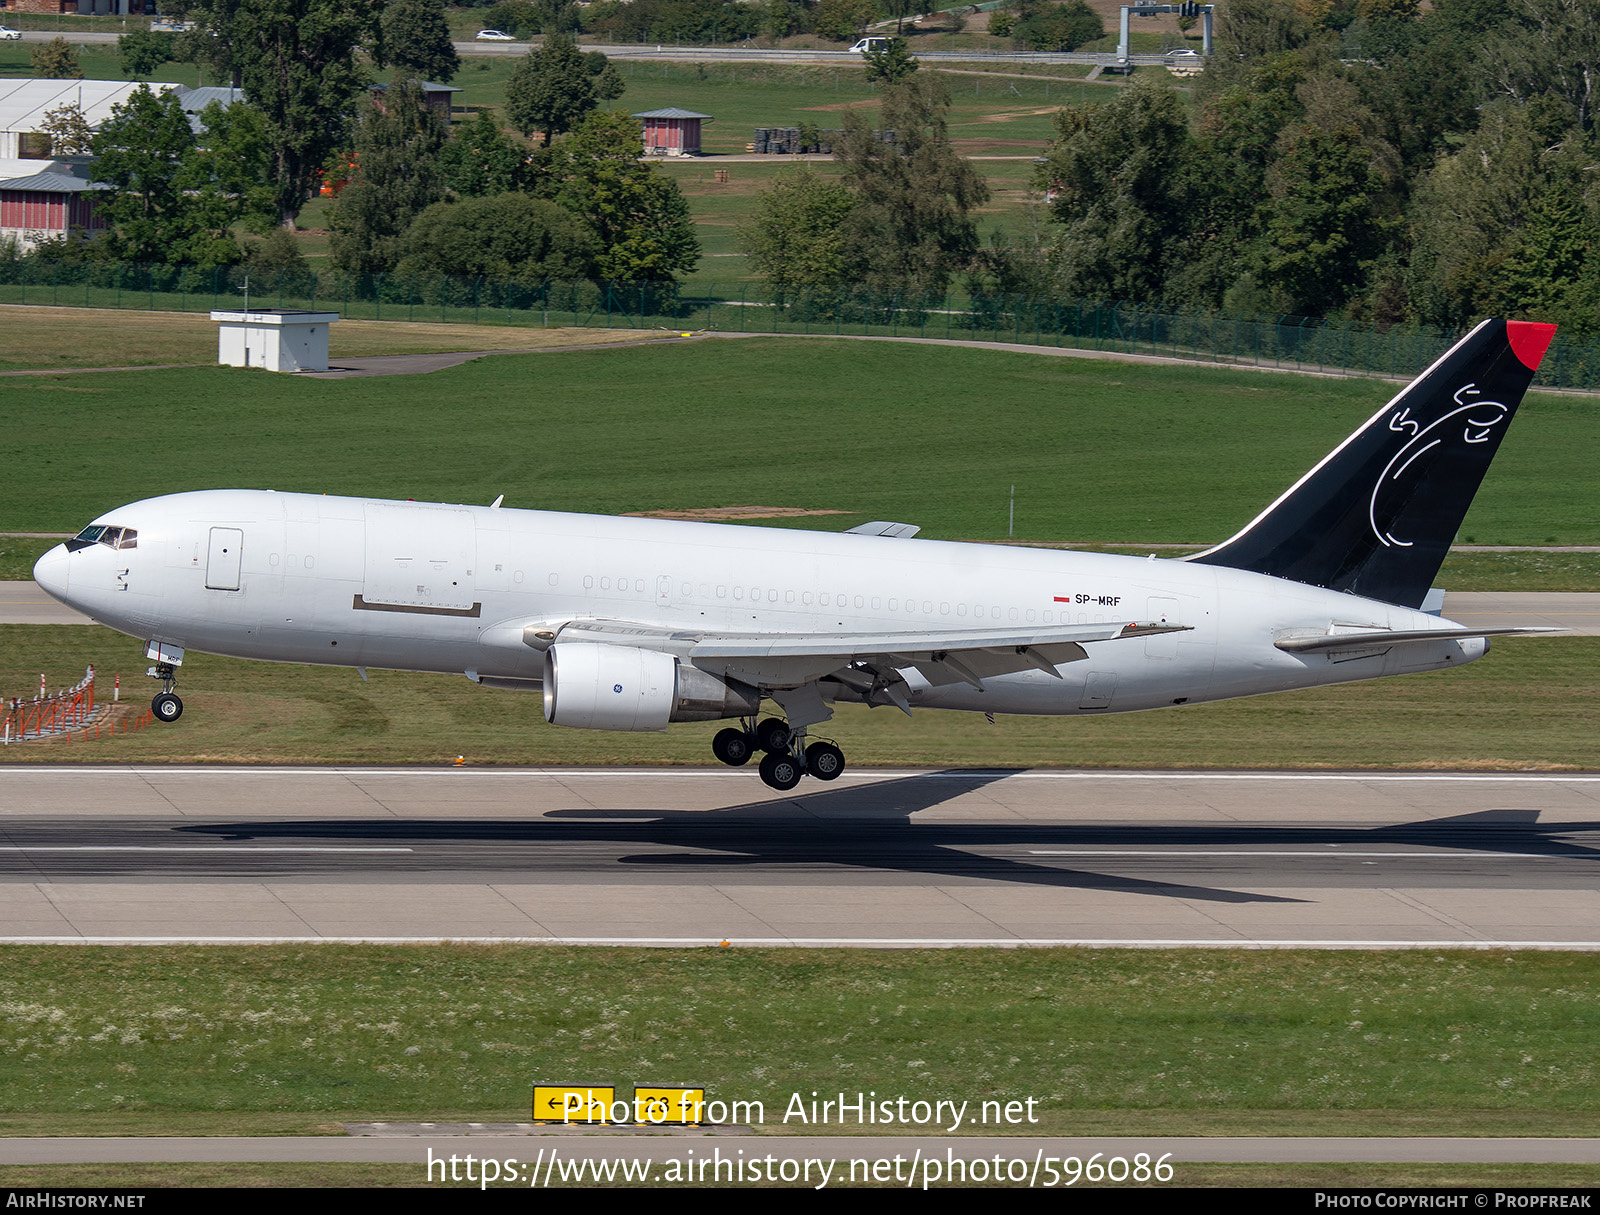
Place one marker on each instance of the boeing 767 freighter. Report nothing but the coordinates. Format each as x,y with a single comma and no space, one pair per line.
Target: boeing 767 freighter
629,624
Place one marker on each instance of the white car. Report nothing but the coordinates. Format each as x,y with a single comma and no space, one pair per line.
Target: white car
9,35
868,45
494,36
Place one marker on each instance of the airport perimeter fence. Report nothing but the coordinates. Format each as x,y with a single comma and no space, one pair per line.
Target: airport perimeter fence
1287,343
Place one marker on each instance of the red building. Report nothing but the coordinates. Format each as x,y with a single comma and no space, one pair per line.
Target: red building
45,206
672,132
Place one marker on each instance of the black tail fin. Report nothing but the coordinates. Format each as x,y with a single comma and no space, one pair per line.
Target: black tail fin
1377,516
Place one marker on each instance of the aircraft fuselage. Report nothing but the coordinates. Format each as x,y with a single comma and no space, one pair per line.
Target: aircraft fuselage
430,587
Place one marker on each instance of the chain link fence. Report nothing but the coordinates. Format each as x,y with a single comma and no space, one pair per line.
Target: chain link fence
1290,343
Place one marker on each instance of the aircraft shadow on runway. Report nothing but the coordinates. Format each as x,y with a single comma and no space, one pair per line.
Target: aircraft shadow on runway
874,827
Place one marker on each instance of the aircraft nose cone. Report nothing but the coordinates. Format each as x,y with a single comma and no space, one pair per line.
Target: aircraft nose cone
50,572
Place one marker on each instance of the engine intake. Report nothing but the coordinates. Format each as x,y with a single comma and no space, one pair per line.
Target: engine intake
591,686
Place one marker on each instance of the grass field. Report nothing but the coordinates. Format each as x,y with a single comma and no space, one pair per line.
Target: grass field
1097,451
54,337
284,1039
1531,704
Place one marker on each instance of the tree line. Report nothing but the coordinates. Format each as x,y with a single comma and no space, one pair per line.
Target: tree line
1356,159
410,194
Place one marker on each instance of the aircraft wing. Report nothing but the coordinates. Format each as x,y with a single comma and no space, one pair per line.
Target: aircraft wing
941,656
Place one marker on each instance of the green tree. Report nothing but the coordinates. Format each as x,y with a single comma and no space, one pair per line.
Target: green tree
1117,172
639,218
69,132
551,89
397,147
842,20
1470,214
479,160
1553,51
609,84
143,51
56,60
1056,27
892,64
502,236
166,202
297,61
1322,232
795,236
416,39
1546,274
910,228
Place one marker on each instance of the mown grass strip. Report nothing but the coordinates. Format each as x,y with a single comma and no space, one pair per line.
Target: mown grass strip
931,435
1451,1041
1529,705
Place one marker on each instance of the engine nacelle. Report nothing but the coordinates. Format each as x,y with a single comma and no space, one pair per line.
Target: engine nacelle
591,686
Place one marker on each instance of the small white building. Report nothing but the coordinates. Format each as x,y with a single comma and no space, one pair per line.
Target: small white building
278,339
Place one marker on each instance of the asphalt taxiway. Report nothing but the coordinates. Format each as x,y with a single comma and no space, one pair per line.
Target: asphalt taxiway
879,858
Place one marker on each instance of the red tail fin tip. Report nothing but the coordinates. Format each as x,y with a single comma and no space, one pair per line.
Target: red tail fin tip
1529,341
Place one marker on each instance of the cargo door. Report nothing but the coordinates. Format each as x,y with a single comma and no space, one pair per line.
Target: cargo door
420,558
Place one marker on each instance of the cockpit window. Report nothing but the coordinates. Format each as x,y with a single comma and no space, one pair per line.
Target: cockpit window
111,537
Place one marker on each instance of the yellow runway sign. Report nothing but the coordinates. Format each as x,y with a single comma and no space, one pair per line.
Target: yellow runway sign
660,1106
574,1103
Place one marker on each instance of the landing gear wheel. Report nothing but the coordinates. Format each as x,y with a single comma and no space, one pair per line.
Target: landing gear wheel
773,735
166,707
733,747
780,770
824,760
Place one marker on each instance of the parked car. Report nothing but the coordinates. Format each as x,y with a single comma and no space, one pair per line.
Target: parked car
494,36
9,35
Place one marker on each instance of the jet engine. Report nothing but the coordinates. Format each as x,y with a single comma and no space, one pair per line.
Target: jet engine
612,687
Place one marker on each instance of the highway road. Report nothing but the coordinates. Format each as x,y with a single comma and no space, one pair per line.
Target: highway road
704,54
692,856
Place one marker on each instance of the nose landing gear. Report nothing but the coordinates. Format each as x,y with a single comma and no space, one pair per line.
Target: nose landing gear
787,757
166,706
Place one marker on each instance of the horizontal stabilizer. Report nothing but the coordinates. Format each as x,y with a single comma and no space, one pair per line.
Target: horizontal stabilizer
1326,643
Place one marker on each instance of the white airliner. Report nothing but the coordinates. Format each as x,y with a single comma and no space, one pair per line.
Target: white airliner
628,624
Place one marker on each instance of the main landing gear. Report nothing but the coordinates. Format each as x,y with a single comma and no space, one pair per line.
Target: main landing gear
787,756
166,706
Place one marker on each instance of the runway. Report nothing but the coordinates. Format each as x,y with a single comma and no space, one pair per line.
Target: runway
882,859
